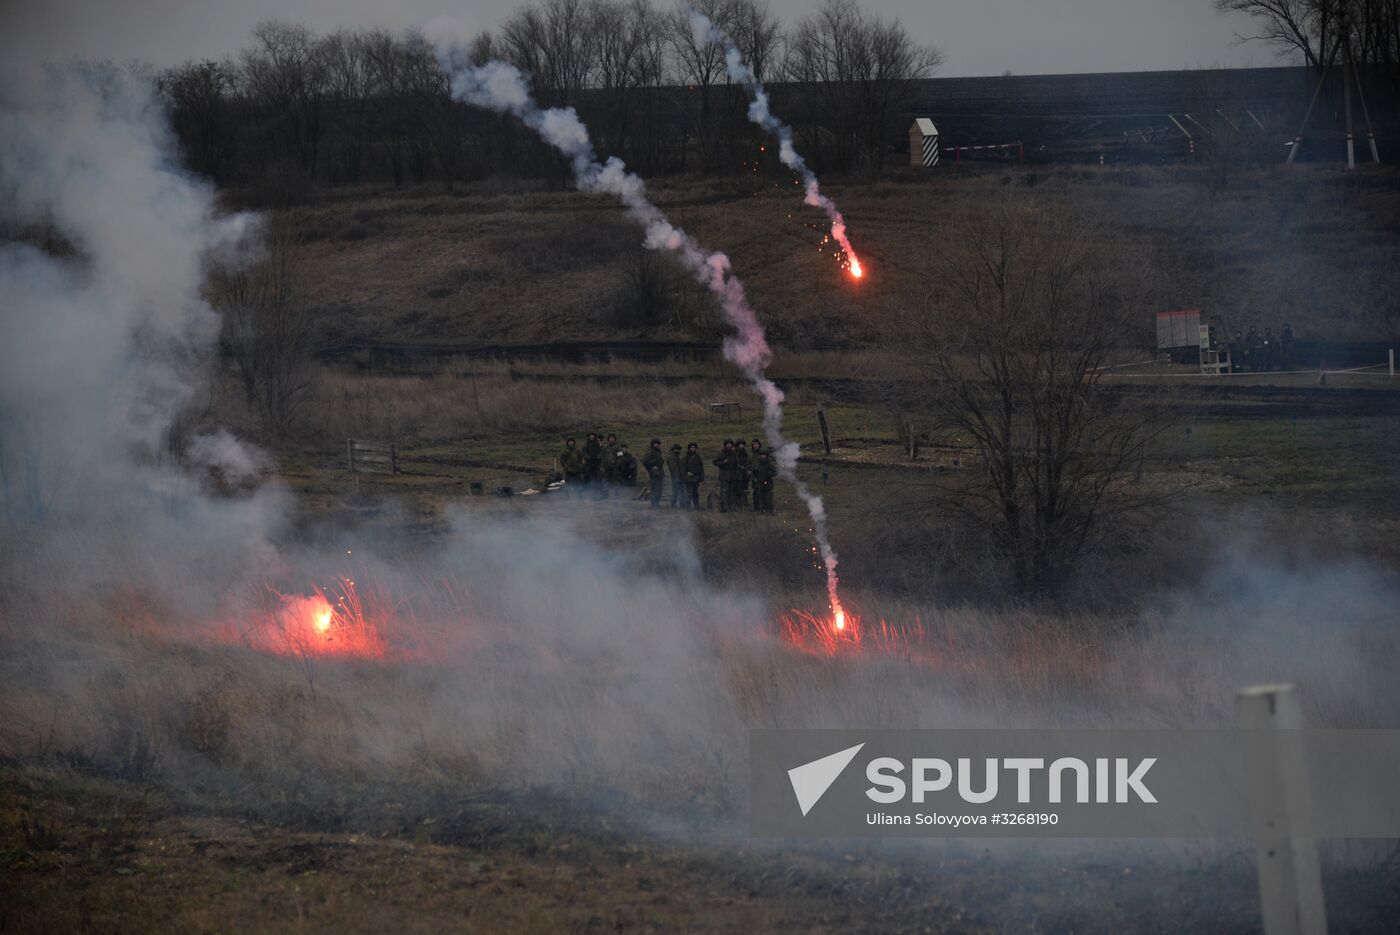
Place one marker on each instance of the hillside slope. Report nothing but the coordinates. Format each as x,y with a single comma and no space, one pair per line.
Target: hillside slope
518,265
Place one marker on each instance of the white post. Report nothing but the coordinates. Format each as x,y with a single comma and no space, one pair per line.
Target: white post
1392,361
1290,877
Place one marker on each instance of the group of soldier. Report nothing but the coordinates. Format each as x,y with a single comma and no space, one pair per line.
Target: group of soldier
604,466
1258,352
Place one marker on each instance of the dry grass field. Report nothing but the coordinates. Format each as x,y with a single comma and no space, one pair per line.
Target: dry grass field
245,687
531,712
512,264
101,856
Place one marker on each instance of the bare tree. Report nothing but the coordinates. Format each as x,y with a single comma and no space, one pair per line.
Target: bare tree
620,42
1304,27
757,34
200,95
286,75
352,92
1013,344
700,65
855,72
387,68
554,43
483,48
299,109
1381,19
266,329
653,65
433,125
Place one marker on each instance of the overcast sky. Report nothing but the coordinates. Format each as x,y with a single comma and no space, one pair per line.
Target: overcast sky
978,37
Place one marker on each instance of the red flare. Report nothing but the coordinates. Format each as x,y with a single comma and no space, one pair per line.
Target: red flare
337,623
844,634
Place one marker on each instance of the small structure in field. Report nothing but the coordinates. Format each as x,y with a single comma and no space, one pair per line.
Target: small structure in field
371,457
923,143
725,412
1178,332
1182,339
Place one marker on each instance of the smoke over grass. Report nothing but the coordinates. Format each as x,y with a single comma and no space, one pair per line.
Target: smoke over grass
525,656
502,87
138,603
106,338
519,654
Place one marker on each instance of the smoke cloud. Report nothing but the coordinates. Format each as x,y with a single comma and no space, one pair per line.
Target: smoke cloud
759,113
132,594
502,87
105,338
128,592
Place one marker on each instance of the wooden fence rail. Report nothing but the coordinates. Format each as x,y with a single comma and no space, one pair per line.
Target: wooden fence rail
371,457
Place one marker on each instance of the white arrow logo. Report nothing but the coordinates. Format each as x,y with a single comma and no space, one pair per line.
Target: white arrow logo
811,780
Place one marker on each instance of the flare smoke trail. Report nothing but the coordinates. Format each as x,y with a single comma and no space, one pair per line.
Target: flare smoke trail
502,87
705,31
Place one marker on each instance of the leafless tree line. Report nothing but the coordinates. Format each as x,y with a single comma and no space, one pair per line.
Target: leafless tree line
1317,31
294,108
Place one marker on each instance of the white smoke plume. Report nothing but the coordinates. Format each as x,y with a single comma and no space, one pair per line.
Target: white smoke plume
614,677
502,87
231,457
105,337
706,31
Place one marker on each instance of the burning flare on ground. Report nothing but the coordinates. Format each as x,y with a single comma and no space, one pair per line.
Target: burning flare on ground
318,624
844,633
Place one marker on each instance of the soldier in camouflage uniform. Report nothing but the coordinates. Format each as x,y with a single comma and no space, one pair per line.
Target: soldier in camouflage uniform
764,471
694,467
593,457
728,473
741,479
626,468
574,466
655,463
673,465
607,465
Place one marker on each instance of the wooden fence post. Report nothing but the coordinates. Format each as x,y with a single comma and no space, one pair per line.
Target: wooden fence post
1290,877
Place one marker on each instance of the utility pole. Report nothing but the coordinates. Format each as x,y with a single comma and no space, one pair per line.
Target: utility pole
1350,75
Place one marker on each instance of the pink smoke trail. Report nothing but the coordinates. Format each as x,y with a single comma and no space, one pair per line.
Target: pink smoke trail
502,87
760,114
